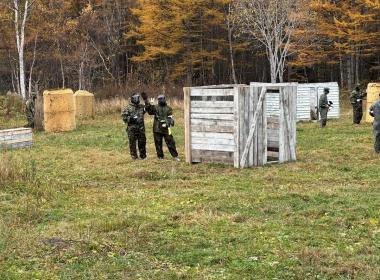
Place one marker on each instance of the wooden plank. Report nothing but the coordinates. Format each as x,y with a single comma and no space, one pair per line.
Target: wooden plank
237,128
253,127
15,141
210,110
212,128
16,131
211,141
272,154
39,113
227,117
15,136
212,135
264,130
212,104
212,92
251,112
16,145
212,156
212,122
212,147
187,119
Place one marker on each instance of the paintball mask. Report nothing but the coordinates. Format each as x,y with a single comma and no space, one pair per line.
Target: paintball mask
161,100
326,90
135,99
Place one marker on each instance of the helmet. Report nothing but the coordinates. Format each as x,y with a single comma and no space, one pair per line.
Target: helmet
357,87
135,99
326,90
33,95
161,100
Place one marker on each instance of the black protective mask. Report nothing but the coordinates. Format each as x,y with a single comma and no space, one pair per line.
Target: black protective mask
135,99
161,100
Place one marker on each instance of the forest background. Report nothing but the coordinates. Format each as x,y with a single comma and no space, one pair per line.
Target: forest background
115,47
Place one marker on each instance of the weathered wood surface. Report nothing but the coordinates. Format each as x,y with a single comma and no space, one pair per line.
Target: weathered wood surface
187,120
258,110
212,92
237,129
39,113
212,156
16,138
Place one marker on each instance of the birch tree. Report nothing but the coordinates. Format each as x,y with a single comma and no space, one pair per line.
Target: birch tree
20,16
272,23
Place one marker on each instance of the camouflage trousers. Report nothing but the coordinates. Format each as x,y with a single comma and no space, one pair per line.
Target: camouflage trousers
30,119
357,113
376,135
323,116
169,140
136,137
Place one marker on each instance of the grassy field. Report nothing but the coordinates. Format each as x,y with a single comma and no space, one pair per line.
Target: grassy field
76,207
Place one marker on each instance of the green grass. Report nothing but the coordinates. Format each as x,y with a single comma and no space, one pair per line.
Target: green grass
76,207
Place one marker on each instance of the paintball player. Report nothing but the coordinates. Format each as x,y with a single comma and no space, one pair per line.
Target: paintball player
324,107
356,100
374,111
133,116
30,110
163,121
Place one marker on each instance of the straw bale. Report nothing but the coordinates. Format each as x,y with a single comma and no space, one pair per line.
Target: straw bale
373,91
59,110
84,104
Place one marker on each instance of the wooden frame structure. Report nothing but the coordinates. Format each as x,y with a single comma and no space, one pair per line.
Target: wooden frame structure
16,138
229,124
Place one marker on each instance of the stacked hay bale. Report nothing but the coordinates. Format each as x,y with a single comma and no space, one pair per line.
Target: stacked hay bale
84,104
59,110
373,91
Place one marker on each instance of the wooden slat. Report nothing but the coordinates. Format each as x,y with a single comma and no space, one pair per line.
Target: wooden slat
15,136
187,119
237,128
216,110
212,128
211,141
212,122
253,128
212,156
9,142
15,131
212,92
212,104
211,147
227,117
212,135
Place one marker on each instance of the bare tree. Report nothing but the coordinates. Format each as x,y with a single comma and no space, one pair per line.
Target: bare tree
20,15
272,23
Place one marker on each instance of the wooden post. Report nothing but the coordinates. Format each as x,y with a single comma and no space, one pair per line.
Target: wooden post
187,118
39,113
253,128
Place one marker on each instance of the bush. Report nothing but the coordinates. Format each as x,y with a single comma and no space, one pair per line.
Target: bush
11,105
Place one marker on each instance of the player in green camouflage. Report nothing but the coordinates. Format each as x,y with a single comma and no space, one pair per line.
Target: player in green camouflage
133,116
374,111
356,100
30,110
163,122
324,107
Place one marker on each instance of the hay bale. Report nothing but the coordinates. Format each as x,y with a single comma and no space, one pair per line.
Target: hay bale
373,91
84,104
59,110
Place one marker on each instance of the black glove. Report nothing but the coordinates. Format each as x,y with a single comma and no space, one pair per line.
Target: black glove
144,96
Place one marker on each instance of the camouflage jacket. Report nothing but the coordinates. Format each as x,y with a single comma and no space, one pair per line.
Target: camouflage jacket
133,115
163,117
323,102
30,108
356,97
